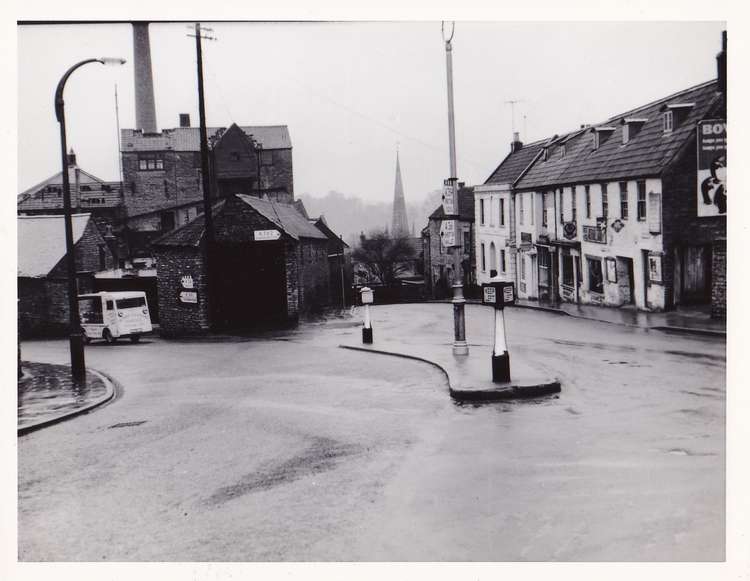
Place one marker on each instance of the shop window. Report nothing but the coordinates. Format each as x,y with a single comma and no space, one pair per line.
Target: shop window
596,280
568,270
624,200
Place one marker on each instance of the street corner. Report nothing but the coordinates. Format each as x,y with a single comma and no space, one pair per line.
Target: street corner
47,395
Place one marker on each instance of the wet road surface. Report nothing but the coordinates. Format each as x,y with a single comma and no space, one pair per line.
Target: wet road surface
291,449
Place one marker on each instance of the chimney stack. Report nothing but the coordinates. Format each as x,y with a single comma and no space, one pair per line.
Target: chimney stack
145,107
721,64
184,119
516,143
72,158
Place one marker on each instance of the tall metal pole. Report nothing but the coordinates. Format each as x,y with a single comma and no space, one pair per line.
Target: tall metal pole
206,178
460,347
77,357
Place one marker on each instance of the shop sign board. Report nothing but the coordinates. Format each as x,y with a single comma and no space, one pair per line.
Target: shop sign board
188,297
449,200
259,235
712,168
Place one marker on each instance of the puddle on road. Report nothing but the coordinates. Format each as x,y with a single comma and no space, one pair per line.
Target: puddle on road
324,454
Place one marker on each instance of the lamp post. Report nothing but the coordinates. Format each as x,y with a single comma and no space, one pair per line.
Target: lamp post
77,362
460,346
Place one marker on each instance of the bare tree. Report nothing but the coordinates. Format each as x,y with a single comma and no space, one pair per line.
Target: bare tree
384,257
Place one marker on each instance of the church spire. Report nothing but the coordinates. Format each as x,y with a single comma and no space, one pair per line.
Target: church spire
400,225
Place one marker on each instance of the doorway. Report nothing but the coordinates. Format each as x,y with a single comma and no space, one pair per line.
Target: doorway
248,285
696,275
625,280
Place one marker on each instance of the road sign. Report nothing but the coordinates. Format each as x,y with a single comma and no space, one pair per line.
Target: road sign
498,294
260,235
188,297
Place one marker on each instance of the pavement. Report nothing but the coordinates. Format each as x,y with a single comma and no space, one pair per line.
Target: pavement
289,448
48,394
684,319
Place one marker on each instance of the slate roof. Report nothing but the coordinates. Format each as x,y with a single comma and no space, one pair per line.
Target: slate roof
465,206
515,163
41,242
56,180
648,153
188,138
285,217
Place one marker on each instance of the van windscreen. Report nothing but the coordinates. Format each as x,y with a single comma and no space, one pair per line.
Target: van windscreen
131,303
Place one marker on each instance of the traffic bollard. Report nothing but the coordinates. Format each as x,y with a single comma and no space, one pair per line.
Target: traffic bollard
367,296
498,295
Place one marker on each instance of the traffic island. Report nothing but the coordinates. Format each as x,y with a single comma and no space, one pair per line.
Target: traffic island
469,378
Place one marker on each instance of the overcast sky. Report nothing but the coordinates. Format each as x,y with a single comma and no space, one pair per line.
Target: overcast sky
351,92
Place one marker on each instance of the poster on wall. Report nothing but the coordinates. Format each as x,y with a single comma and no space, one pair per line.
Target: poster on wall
611,270
712,167
654,268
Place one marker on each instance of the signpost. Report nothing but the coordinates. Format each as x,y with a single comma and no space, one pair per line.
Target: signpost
499,295
260,235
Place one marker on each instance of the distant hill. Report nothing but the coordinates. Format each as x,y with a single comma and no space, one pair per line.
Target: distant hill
349,215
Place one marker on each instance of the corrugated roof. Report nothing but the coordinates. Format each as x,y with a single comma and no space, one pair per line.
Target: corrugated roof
41,242
514,163
188,138
647,153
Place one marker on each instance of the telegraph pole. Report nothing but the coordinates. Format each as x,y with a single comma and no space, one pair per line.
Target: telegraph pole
206,178
452,234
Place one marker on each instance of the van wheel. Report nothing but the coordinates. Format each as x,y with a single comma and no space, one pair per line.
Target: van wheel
86,338
135,338
107,336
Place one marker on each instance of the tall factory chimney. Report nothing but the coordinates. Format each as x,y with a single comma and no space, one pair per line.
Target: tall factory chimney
145,107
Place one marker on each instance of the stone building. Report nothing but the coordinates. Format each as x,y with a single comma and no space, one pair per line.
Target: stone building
162,181
438,261
610,214
268,264
88,194
42,269
494,211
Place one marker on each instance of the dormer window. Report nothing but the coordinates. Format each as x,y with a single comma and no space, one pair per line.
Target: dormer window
601,134
668,121
674,113
630,128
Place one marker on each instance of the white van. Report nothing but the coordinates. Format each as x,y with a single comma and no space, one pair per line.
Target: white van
111,315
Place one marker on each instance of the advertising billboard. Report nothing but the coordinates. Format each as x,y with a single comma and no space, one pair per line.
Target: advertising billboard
712,167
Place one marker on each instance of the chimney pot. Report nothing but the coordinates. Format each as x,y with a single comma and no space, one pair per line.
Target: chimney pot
72,158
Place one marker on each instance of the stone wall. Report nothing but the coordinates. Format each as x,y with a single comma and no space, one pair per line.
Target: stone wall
719,280
176,317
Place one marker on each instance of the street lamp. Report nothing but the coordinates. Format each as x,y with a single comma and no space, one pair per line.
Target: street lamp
77,362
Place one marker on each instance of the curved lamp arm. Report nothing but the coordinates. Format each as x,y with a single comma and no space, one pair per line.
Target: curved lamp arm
61,85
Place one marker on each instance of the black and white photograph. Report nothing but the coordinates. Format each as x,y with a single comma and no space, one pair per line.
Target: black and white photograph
445,291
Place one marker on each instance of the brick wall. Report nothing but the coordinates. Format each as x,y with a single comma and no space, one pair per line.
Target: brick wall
175,317
719,280
312,256
681,225
292,279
